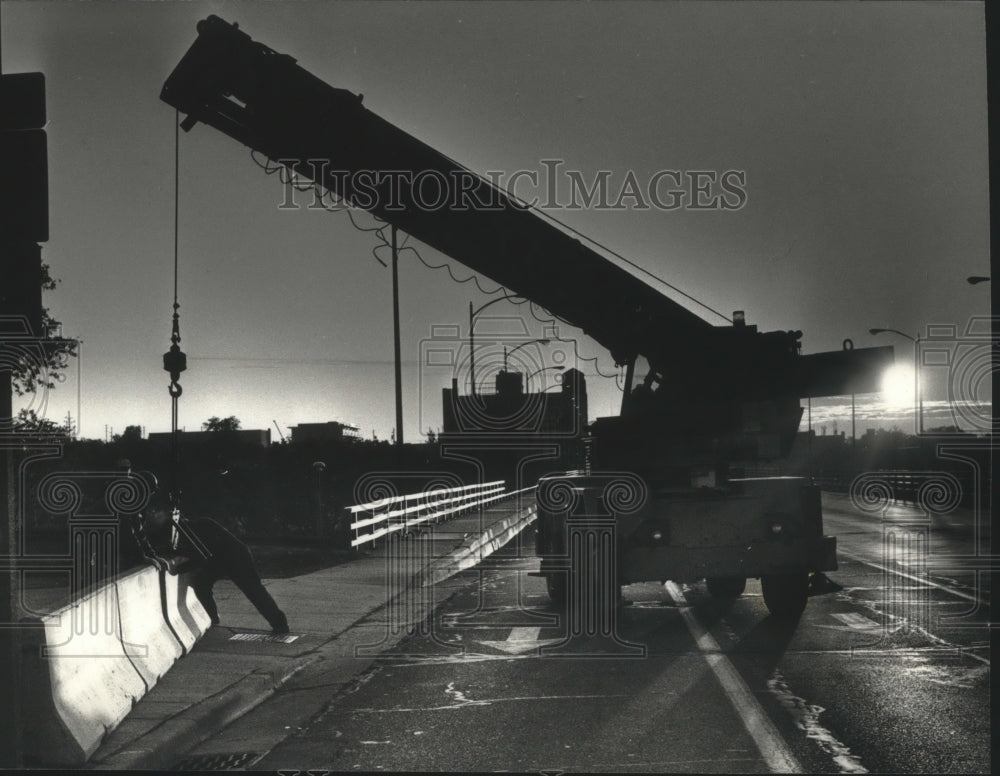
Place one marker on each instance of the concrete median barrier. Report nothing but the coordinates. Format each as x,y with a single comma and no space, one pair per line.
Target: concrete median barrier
147,637
87,664
182,609
79,683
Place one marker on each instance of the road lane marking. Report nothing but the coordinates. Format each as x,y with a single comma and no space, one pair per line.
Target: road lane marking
772,746
857,621
520,641
846,595
853,622
922,580
806,716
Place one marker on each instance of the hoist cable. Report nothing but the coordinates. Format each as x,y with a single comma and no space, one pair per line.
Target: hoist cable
175,333
174,360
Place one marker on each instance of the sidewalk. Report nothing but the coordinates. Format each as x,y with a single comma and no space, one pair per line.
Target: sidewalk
340,619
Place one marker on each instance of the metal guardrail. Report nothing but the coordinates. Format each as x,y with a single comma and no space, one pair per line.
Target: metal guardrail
373,520
927,489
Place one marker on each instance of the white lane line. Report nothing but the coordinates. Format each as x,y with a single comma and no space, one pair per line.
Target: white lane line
922,580
772,746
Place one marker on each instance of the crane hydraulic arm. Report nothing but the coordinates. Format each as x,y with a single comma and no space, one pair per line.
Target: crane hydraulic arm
266,101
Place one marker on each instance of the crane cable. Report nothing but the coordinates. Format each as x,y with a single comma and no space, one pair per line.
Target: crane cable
174,360
289,177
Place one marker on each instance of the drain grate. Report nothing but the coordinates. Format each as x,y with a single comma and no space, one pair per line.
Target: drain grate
272,637
227,761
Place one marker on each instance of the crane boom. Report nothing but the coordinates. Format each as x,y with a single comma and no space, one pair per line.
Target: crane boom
269,103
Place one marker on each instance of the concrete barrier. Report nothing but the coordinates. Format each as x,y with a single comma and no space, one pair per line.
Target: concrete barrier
182,609
78,681
148,640
84,666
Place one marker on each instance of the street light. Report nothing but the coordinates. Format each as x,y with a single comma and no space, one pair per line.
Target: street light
472,343
917,393
543,341
973,279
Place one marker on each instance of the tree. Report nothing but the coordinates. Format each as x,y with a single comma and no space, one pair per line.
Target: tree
28,422
39,365
232,423
130,434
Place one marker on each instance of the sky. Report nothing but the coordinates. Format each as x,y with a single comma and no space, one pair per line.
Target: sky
857,133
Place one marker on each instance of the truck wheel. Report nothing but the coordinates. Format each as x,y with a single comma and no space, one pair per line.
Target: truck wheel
785,594
726,587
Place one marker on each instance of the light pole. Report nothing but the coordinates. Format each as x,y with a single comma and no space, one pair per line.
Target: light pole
917,393
396,346
472,342
79,375
543,341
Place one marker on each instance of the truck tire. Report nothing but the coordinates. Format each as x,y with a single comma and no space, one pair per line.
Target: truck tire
785,594
726,587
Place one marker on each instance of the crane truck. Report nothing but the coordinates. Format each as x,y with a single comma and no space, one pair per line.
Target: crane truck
713,397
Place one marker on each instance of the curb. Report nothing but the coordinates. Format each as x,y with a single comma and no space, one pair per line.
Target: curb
188,728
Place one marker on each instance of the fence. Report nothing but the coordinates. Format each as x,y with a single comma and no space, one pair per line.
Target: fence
914,487
385,516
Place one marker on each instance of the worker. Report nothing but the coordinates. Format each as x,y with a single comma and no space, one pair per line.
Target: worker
211,552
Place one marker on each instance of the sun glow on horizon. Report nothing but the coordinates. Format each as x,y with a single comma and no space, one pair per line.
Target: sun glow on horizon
898,388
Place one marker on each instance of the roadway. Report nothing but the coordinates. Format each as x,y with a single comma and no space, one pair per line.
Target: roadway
887,671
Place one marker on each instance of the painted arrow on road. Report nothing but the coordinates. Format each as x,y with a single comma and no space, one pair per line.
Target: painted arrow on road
853,622
520,640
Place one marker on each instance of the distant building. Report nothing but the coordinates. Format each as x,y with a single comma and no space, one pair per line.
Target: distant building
509,411
258,437
324,432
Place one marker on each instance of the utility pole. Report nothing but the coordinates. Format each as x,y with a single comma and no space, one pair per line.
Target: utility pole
395,322
472,355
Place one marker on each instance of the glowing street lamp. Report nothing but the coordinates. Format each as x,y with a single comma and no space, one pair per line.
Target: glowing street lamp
543,341
917,393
